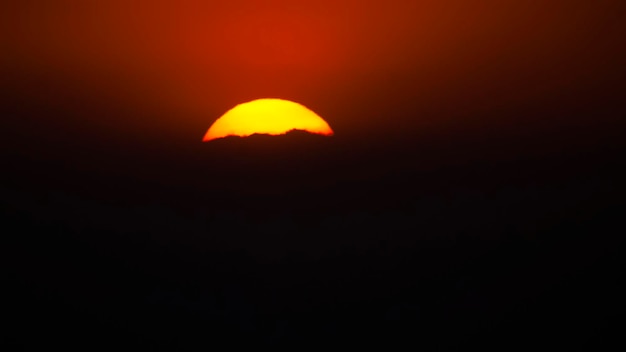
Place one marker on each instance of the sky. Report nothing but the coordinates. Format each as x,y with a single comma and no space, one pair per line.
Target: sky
471,188
418,64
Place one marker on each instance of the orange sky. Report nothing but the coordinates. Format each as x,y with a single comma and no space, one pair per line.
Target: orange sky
365,66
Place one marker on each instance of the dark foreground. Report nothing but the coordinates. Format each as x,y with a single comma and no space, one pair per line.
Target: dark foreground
439,246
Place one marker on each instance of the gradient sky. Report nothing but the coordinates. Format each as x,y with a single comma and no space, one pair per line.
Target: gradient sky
370,68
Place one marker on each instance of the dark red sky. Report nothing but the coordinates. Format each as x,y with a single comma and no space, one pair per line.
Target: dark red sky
404,84
127,90
371,68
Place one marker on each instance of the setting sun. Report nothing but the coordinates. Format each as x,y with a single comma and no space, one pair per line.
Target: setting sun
267,116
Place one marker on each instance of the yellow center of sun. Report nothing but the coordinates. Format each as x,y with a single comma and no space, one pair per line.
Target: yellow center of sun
267,116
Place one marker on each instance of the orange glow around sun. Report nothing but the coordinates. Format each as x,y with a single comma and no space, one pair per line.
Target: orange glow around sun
267,116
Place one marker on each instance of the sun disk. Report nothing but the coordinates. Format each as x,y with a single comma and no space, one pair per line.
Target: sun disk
267,116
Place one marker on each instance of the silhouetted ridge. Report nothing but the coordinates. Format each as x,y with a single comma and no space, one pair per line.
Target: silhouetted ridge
296,135
263,148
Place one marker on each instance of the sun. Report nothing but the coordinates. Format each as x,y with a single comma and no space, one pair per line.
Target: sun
267,116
